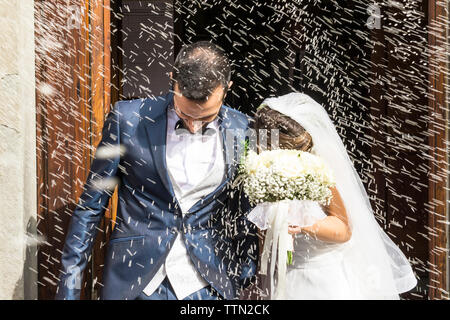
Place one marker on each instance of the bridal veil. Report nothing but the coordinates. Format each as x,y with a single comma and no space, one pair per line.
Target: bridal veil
375,265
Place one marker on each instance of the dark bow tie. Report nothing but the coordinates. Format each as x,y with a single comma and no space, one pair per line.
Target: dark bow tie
181,129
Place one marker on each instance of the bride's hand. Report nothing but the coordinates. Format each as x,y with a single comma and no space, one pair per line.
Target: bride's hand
294,229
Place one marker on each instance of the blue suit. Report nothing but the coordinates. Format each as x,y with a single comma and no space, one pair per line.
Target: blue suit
221,243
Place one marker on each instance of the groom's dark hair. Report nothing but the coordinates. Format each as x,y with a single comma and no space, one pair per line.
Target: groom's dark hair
199,68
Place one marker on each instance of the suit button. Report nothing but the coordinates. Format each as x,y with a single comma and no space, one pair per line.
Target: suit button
174,230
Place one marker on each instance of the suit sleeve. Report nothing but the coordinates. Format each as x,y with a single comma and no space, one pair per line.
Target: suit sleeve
90,209
245,242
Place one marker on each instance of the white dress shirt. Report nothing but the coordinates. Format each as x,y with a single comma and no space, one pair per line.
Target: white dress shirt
196,167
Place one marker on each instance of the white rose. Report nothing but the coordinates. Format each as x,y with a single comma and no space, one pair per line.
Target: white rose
289,165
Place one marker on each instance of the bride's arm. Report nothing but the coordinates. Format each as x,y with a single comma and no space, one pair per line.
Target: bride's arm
333,228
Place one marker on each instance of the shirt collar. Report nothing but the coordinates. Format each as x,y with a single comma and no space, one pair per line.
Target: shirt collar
173,119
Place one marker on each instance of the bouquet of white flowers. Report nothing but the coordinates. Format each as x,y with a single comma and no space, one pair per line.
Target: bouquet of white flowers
281,174
283,184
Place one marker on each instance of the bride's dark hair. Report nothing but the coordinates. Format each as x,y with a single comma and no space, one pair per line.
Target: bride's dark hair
292,135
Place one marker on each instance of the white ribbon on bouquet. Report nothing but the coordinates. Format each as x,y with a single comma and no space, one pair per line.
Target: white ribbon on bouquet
275,217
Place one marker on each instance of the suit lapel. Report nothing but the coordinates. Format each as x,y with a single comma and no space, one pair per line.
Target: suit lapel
156,132
233,137
224,125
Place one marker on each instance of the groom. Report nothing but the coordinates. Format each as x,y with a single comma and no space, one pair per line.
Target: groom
180,231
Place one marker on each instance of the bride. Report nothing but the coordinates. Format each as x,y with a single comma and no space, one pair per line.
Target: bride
344,253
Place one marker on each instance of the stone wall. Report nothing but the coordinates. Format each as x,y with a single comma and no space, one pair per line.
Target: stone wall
17,151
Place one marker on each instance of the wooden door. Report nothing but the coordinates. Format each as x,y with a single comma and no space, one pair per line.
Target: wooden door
72,98
89,54
438,153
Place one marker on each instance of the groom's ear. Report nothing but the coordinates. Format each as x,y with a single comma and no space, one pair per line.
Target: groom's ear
230,83
171,81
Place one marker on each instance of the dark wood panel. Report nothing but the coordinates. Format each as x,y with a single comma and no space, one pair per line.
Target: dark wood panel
147,47
398,79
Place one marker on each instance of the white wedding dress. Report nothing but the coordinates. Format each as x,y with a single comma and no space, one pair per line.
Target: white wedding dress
318,271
